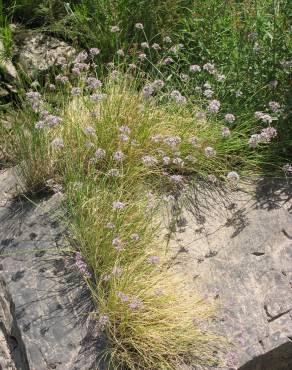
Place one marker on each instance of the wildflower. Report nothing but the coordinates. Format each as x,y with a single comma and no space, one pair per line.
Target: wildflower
158,84
287,168
117,243
178,162
172,141
94,51
168,61
124,137
167,40
118,205
89,130
208,93
184,77
53,120
123,297
139,26
233,176
195,68
76,71
117,271
75,91
154,260
110,225
121,53
156,46
144,45
166,160
214,106
229,117
132,66
220,77
209,68
33,95
82,266
148,90
207,85
97,97
176,95
100,153
274,106
103,320
52,87
93,82
40,125
176,178
193,140
81,57
263,117
209,151
62,78
113,172
149,160
142,56
254,140
118,155
125,129
115,29
135,237
225,132
136,303
268,133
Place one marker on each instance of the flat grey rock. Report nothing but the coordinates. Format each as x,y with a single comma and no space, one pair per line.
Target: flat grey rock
44,303
236,248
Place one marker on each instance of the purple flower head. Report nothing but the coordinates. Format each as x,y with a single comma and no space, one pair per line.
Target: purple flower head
268,133
33,95
118,155
209,93
229,117
214,106
125,129
94,51
117,243
81,57
58,143
75,91
176,178
53,120
142,56
193,140
158,84
176,95
62,78
172,141
168,60
113,172
225,132
135,237
103,320
148,90
89,130
123,297
274,106
166,160
93,83
135,304
195,68
81,265
209,68
124,137
209,152
149,161
233,176
97,97
118,205
100,153
254,140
